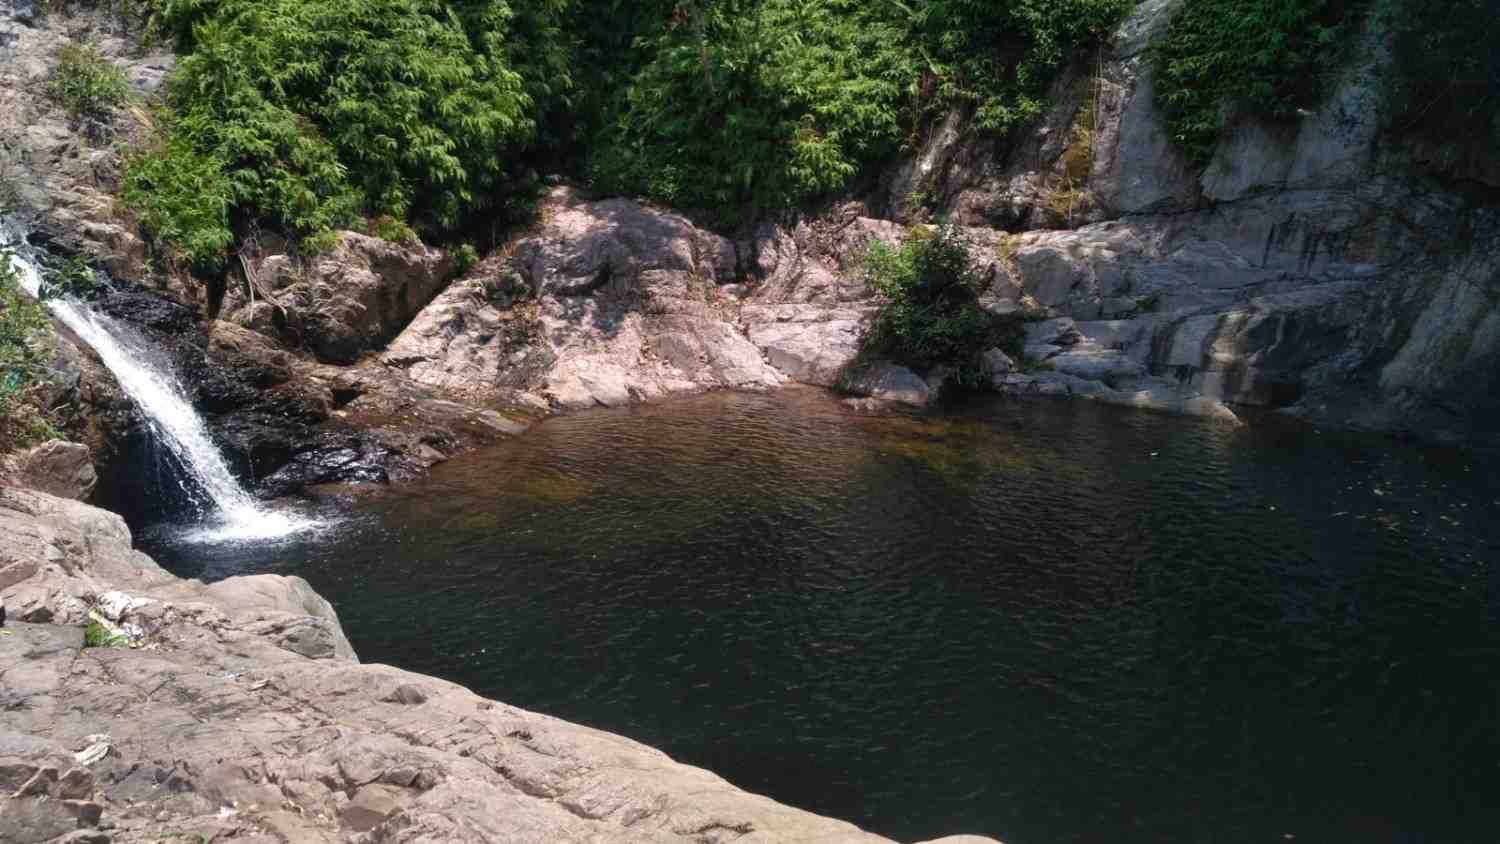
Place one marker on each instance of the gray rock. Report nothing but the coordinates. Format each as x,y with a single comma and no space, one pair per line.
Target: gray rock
351,300
1053,332
1096,363
61,468
57,176
810,343
997,362
604,303
889,382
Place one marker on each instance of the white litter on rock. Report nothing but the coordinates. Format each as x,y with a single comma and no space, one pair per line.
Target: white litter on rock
98,749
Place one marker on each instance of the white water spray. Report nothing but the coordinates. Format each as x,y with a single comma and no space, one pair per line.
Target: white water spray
156,390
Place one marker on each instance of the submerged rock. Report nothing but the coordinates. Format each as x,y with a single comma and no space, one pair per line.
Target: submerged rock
888,382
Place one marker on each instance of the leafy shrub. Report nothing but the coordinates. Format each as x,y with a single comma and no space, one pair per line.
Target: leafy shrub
85,83
999,56
1270,57
320,243
931,314
389,228
1273,57
306,115
770,101
25,347
183,198
464,258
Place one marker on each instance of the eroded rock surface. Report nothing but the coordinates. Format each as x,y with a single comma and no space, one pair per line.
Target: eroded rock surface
58,174
238,712
603,303
339,305
59,468
1318,266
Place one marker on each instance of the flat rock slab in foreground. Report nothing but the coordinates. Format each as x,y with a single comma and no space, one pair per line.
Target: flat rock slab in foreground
240,713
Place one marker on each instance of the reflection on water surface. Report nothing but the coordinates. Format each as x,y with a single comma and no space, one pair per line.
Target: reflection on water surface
1043,621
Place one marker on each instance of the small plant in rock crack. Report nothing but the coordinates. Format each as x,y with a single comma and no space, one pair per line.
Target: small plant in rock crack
86,84
75,279
96,635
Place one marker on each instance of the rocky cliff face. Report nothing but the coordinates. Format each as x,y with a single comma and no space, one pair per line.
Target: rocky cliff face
238,712
1328,267
59,173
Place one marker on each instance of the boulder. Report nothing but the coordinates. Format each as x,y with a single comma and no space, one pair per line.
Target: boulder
888,382
604,303
60,468
810,343
997,362
343,303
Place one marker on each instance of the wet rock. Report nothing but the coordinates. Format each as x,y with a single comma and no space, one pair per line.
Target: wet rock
152,312
331,458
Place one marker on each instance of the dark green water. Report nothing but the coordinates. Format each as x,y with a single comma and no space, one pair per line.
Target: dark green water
1042,621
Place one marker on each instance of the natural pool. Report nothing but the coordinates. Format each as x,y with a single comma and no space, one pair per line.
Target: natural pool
1043,621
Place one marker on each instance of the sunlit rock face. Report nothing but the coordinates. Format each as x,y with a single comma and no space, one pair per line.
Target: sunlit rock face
1316,266
602,303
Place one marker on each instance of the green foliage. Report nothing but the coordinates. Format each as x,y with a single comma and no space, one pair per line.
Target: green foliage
772,101
96,635
389,228
464,258
75,279
1269,57
306,115
931,314
25,348
85,83
183,199
999,56
1273,57
320,243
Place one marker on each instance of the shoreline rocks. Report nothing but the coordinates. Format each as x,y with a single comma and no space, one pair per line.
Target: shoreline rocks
239,712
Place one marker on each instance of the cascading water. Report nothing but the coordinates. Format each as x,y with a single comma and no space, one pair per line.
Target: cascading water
156,390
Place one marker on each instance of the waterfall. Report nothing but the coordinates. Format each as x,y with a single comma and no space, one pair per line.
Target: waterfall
157,392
